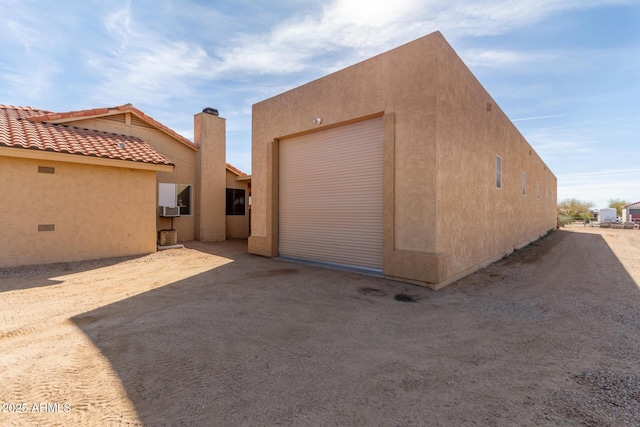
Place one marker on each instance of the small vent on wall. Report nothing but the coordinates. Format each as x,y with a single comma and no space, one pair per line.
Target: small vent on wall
139,122
489,106
46,169
46,227
114,118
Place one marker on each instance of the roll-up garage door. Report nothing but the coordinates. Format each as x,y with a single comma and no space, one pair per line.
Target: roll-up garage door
330,190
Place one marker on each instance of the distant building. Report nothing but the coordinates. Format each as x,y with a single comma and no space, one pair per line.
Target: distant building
631,212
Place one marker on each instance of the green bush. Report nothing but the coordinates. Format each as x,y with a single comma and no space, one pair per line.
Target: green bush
564,220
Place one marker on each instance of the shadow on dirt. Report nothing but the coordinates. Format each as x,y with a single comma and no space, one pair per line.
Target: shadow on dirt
263,342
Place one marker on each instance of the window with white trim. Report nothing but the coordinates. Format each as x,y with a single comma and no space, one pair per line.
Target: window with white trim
180,195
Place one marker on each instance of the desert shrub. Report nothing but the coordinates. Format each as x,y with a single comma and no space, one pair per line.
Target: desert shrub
564,220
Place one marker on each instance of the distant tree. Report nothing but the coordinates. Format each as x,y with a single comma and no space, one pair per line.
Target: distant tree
617,204
575,208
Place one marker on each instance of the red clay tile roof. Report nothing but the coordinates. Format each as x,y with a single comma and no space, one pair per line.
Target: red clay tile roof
17,130
96,112
235,170
45,116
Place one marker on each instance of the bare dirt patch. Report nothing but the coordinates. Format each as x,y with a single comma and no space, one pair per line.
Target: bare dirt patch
209,335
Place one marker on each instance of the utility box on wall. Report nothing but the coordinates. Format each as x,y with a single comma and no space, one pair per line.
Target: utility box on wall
168,237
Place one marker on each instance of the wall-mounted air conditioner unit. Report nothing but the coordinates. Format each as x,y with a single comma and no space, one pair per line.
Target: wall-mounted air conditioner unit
169,211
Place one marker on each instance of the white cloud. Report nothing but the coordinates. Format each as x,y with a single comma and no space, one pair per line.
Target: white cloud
25,35
29,86
492,17
559,142
26,68
118,24
364,13
144,65
522,119
302,41
362,29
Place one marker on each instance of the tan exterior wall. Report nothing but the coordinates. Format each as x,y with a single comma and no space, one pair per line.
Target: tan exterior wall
238,225
182,156
443,216
97,211
210,136
471,131
396,82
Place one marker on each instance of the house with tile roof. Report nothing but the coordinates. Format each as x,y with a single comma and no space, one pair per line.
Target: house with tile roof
93,183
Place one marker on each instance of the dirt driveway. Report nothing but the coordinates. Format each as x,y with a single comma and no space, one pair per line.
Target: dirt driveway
210,335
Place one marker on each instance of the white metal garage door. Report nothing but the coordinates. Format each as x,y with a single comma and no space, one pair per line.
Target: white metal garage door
330,207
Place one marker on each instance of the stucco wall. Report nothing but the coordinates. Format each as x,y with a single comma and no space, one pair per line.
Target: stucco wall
402,81
97,212
210,136
181,155
238,225
478,223
443,216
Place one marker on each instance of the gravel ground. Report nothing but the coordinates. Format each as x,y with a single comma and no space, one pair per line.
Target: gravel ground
209,335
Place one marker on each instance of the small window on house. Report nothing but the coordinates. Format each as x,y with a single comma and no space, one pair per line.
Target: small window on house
180,195
184,198
546,194
524,184
235,201
498,172
537,190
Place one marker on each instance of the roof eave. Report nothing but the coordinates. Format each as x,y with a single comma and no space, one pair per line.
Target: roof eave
36,154
234,170
96,113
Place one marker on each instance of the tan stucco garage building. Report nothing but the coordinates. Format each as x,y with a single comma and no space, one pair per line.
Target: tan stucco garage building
92,183
402,165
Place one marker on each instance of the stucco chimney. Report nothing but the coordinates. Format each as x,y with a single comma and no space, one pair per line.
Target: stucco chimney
209,133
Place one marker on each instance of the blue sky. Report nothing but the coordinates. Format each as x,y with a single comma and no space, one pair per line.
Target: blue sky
566,72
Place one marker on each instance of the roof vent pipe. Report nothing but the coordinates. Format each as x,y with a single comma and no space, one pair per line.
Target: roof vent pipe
210,110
